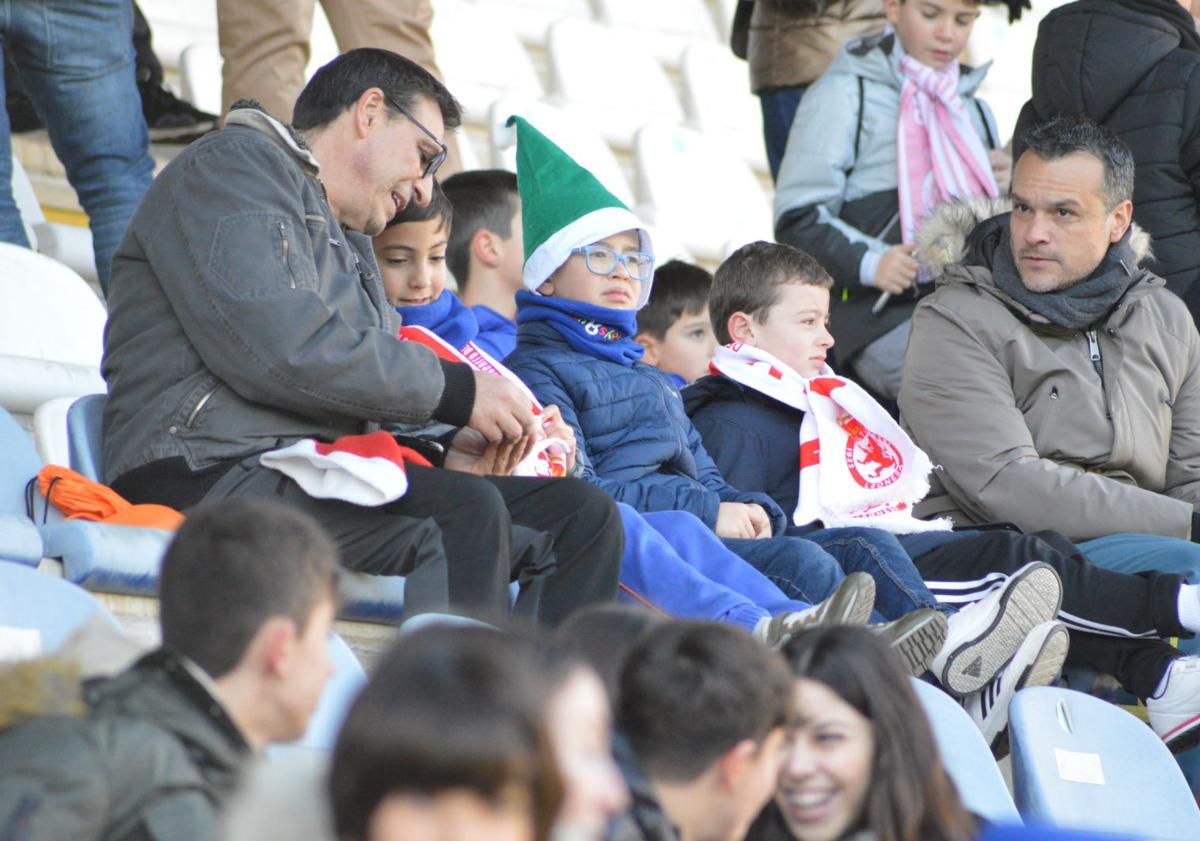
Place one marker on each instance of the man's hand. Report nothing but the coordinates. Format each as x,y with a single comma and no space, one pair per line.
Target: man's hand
897,269
737,519
502,412
1001,161
554,427
470,452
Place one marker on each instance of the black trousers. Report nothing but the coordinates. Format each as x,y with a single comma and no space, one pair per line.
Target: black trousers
460,539
1117,621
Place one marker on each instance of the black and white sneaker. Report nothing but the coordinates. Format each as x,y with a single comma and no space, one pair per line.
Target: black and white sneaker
1038,662
985,635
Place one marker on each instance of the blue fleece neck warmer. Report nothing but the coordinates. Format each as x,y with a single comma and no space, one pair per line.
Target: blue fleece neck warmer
449,318
602,332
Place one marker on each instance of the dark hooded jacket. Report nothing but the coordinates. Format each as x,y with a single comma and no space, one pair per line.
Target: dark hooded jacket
1134,68
152,755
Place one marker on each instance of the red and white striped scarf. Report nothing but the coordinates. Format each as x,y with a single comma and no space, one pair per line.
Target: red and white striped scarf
549,456
939,155
872,473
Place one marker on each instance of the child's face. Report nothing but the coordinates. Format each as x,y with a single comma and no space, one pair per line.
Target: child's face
687,347
795,329
934,32
412,261
617,290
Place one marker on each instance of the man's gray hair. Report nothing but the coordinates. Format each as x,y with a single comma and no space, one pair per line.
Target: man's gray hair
1062,136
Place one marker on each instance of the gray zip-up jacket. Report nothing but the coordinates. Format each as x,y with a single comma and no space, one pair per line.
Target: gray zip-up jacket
1023,426
836,195
242,317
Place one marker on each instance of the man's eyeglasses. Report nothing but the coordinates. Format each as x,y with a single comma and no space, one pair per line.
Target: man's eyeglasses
602,260
430,162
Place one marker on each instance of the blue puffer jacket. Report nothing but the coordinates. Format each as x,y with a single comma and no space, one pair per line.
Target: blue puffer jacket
633,437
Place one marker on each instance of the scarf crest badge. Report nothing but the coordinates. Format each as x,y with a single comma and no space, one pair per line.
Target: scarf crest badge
874,473
600,331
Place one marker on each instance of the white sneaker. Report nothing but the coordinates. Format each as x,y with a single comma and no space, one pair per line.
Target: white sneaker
984,636
1175,713
1038,661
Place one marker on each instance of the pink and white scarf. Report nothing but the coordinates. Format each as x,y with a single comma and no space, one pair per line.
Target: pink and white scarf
549,456
939,155
872,473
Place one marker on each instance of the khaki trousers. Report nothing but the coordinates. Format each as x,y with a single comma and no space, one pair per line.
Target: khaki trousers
265,45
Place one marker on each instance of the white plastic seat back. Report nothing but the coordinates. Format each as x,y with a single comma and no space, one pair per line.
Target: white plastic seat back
531,19
481,57
716,91
51,331
178,25
587,147
700,190
667,26
606,82
200,77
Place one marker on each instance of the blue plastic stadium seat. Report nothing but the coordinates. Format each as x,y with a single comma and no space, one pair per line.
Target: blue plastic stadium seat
1083,763
85,429
967,757
30,599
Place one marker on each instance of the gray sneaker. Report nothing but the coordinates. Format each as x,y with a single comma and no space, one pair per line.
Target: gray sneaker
850,604
984,636
916,637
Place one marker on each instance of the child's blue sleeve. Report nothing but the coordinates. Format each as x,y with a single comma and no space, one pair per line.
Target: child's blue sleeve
652,492
811,187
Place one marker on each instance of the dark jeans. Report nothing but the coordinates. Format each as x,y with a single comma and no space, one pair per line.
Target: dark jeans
778,110
1116,619
460,539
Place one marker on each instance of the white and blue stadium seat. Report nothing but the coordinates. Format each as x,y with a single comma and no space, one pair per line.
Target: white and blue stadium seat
967,757
1081,762
605,83
53,608
716,92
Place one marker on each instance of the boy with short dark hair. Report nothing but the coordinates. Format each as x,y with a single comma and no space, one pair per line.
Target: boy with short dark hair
247,599
485,252
702,717
674,327
770,306
892,128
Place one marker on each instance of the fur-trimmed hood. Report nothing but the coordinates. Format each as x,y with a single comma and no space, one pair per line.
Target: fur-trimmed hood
941,241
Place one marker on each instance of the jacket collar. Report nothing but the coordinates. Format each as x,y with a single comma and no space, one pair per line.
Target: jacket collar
875,57
248,113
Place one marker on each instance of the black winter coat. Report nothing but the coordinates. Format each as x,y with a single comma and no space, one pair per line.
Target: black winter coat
1129,68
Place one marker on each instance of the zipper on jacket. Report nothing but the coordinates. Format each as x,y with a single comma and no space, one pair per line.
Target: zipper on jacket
286,249
195,413
1098,363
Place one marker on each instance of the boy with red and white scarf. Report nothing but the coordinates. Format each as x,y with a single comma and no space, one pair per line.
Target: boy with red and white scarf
778,420
891,129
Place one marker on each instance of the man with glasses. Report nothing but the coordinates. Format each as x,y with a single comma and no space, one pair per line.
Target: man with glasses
247,314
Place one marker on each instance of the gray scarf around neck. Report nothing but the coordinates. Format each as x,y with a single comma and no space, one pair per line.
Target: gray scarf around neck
1080,306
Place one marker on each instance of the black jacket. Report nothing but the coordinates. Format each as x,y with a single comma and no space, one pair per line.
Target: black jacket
1134,68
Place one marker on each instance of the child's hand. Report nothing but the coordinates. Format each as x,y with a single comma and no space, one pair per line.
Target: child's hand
897,269
738,520
1001,161
554,427
762,522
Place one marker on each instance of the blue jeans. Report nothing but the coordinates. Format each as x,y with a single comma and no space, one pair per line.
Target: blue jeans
76,62
674,562
1135,553
778,110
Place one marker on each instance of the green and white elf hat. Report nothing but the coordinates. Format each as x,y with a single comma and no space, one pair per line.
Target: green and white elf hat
564,207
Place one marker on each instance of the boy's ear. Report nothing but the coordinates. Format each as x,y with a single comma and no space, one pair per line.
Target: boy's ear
891,9
732,764
270,649
741,328
484,247
650,357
